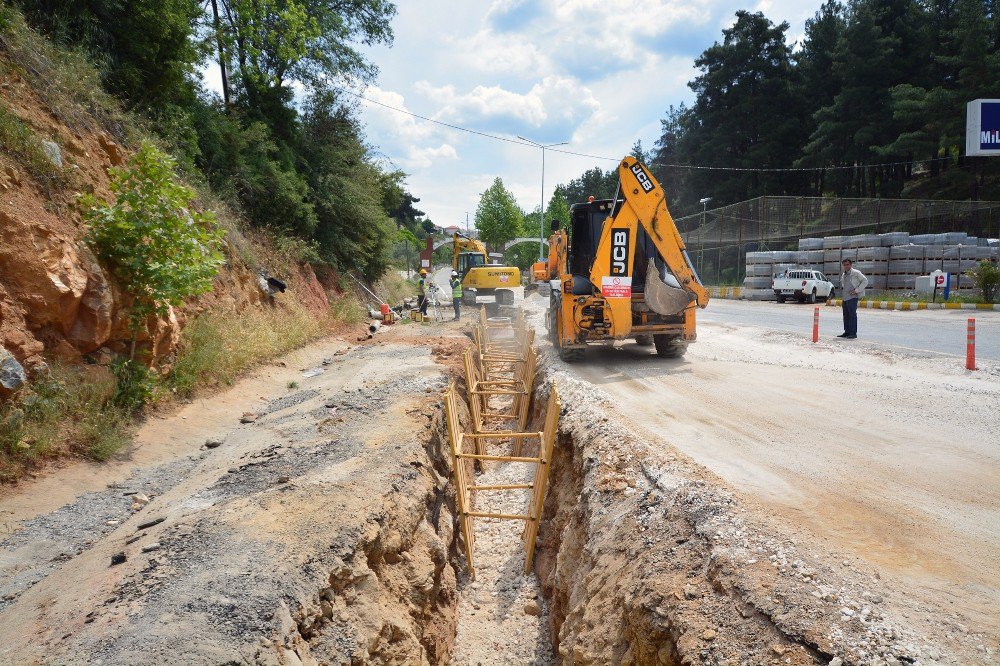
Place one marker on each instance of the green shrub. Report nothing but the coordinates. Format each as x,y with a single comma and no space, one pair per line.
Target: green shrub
987,277
68,410
104,433
161,249
134,385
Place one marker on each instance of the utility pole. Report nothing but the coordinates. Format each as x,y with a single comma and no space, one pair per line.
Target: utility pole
541,210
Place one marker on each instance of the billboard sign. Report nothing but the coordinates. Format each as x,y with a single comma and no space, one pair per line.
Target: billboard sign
982,129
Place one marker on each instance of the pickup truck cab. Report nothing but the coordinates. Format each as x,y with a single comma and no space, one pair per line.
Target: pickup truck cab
802,285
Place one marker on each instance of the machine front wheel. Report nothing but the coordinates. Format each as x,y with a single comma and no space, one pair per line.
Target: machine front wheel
669,346
644,340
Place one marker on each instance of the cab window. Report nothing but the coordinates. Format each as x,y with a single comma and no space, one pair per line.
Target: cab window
468,261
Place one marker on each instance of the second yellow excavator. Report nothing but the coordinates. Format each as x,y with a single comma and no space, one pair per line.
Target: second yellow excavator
621,271
479,277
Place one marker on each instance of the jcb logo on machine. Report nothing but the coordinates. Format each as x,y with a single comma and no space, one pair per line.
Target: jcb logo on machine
644,180
619,251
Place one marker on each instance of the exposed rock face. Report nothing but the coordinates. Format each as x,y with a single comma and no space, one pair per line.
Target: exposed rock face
41,268
12,375
94,317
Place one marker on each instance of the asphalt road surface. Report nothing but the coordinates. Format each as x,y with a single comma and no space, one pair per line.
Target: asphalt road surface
930,331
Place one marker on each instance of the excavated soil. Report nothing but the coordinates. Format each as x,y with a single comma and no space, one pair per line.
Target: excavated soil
321,532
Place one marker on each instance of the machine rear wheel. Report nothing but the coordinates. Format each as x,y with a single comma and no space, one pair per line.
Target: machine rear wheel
644,340
669,346
570,354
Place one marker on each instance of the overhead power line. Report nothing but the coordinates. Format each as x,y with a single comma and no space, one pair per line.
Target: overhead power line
692,167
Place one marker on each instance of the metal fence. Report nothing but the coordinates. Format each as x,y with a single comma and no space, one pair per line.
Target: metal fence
719,239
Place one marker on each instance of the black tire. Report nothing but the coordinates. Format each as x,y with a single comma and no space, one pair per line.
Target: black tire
570,354
781,298
831,295
812,297
668,346
644,340
552,324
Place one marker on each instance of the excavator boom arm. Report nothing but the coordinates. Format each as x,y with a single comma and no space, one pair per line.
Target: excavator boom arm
645,204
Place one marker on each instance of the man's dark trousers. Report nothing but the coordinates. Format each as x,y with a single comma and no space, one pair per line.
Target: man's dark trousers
850,308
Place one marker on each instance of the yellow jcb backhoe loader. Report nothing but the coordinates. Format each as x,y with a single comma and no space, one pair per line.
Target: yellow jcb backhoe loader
479,278
622,272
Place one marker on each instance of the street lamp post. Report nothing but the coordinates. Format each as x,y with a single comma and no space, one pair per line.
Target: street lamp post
541,211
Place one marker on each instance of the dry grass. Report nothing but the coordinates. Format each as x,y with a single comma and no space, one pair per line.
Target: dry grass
218,346
67,411
25,146
65,80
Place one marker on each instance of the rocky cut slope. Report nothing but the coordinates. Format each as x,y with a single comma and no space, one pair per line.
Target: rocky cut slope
57,300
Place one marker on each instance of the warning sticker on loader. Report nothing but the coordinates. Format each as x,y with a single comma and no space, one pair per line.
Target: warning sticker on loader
616,287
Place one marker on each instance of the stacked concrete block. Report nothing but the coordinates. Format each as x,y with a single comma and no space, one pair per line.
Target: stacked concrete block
906,262
956,260
863,240
810,259
874,263
891,238
891,260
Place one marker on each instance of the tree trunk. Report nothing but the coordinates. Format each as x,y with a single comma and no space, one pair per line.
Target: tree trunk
222,53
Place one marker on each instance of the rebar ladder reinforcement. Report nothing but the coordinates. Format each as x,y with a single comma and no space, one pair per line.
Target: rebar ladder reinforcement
500,371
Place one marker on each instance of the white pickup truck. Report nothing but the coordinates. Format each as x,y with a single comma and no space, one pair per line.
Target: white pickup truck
803,285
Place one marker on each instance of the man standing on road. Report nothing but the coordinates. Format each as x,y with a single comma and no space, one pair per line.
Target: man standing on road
852,284
456,294
422,292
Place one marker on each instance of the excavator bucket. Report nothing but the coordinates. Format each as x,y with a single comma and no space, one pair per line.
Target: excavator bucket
662,297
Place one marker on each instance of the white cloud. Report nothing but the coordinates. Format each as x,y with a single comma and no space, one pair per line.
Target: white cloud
421,158
600,73
554,103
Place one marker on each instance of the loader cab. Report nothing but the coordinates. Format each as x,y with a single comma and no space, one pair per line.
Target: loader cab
585,228
467,261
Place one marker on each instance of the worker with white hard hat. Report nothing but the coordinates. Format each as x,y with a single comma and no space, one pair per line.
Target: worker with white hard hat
456,294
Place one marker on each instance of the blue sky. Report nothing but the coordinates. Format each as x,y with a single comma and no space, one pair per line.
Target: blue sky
597,73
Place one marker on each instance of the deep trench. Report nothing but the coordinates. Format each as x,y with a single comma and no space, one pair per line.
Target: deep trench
562,564
624,561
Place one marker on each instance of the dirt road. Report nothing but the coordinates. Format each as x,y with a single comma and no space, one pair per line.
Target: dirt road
889,459
315,531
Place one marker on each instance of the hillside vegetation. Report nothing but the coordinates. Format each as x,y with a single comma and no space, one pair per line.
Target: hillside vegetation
115,203
279,147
